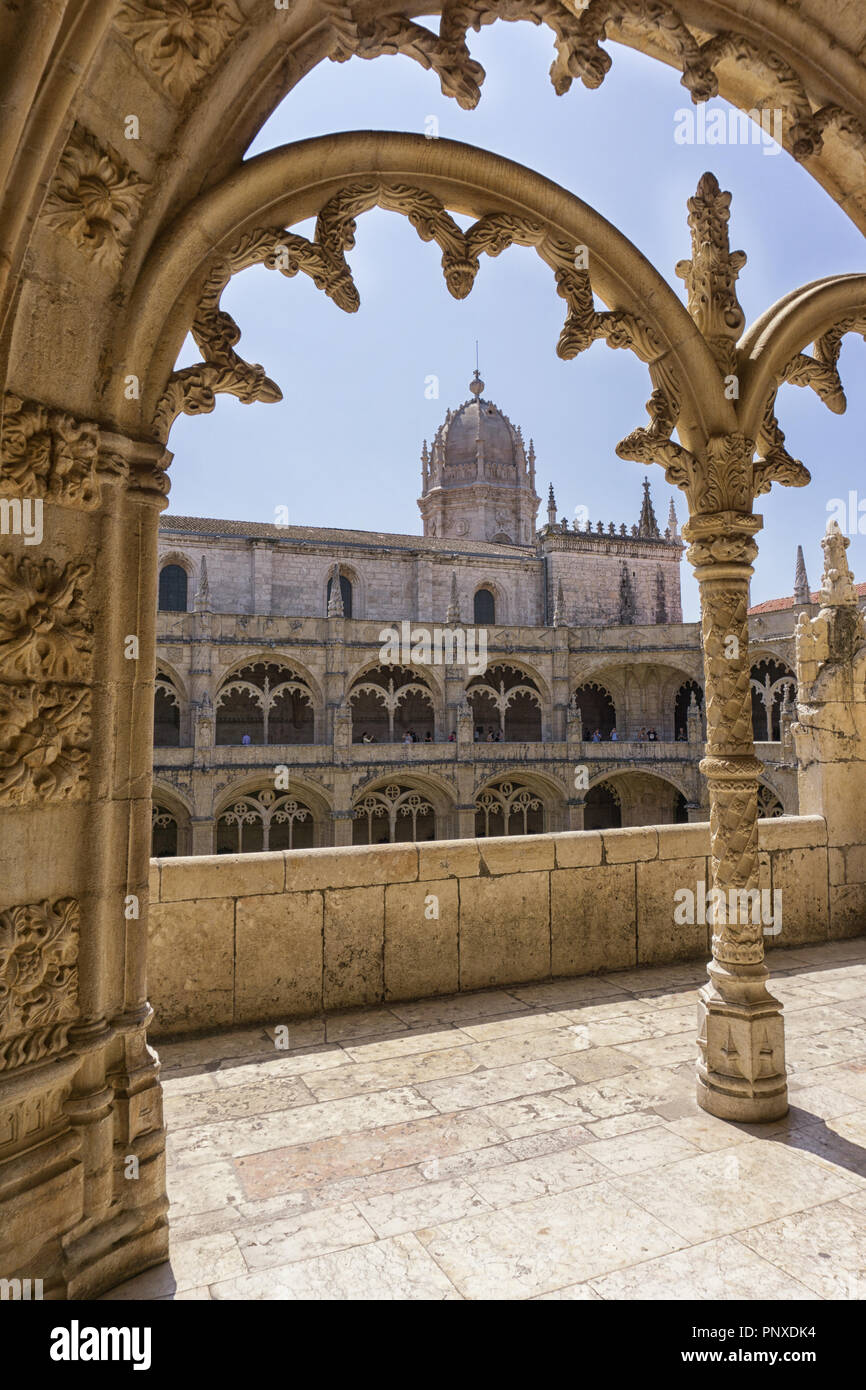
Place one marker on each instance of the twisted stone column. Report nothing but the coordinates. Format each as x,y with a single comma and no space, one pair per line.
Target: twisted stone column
741,1062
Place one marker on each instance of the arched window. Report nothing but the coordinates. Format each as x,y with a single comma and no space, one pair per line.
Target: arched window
172,589
485,607
345,594
163,842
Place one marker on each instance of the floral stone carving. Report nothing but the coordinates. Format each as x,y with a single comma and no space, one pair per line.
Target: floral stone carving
179,40
44,742
94,199
45,630
38,967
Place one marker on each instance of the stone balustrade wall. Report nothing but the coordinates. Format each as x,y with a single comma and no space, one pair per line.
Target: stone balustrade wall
269,937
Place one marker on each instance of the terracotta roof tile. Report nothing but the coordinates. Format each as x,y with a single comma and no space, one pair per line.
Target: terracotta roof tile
776,605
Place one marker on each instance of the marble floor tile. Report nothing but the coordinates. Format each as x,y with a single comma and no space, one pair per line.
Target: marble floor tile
715,1271
719,1193
538,1246
823,1249
429,1205
486,1087
396,1269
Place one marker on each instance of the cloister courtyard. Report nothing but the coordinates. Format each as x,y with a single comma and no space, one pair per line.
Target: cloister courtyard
535,1142
341,960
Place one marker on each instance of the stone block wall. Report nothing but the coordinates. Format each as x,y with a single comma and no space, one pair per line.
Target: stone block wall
272,937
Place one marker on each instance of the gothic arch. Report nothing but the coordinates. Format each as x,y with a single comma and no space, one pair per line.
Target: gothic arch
269,709
168,798
388,809
272,657
222,232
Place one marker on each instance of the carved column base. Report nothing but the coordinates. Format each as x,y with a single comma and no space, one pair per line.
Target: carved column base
741,1046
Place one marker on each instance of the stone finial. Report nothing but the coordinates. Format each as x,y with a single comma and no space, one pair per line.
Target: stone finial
551,507
711,274
531,459
648,527
453,613
559,606
476,385
673,524
837,581
202,598
335,598
801,582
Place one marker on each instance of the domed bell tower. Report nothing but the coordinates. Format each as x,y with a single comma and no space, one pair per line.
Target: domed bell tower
478,479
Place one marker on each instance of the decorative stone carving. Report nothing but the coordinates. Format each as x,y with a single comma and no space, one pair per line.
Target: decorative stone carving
821,373
45,630
44,742
711,274
38,978
193,390
94,199
48,453
179,40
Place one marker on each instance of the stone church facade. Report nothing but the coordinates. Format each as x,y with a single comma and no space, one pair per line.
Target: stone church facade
279,724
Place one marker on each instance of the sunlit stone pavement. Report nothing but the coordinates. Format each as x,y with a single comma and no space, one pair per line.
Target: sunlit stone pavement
536,1142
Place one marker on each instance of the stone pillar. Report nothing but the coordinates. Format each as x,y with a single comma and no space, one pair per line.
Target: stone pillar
576,811
82,1181
261,569
694,722
203,840
830,732
741,1063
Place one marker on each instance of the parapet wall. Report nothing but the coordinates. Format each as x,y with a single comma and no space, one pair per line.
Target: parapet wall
266,937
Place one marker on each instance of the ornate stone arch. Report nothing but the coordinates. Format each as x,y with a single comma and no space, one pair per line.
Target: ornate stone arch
269,709
405,804
255,802
168,800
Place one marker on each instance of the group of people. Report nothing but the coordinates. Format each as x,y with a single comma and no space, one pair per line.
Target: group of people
492,735
645,736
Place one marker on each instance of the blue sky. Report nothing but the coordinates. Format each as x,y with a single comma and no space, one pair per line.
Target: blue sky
343,447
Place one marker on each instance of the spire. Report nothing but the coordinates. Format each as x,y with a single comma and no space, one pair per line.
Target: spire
335,598
531,457
559,606
453,614
801,582
647,527
425,467
551,507
673,524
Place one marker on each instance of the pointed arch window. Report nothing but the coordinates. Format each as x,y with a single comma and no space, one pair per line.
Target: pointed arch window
485,606
173,585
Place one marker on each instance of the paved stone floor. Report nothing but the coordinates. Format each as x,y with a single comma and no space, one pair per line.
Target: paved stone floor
535,1142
